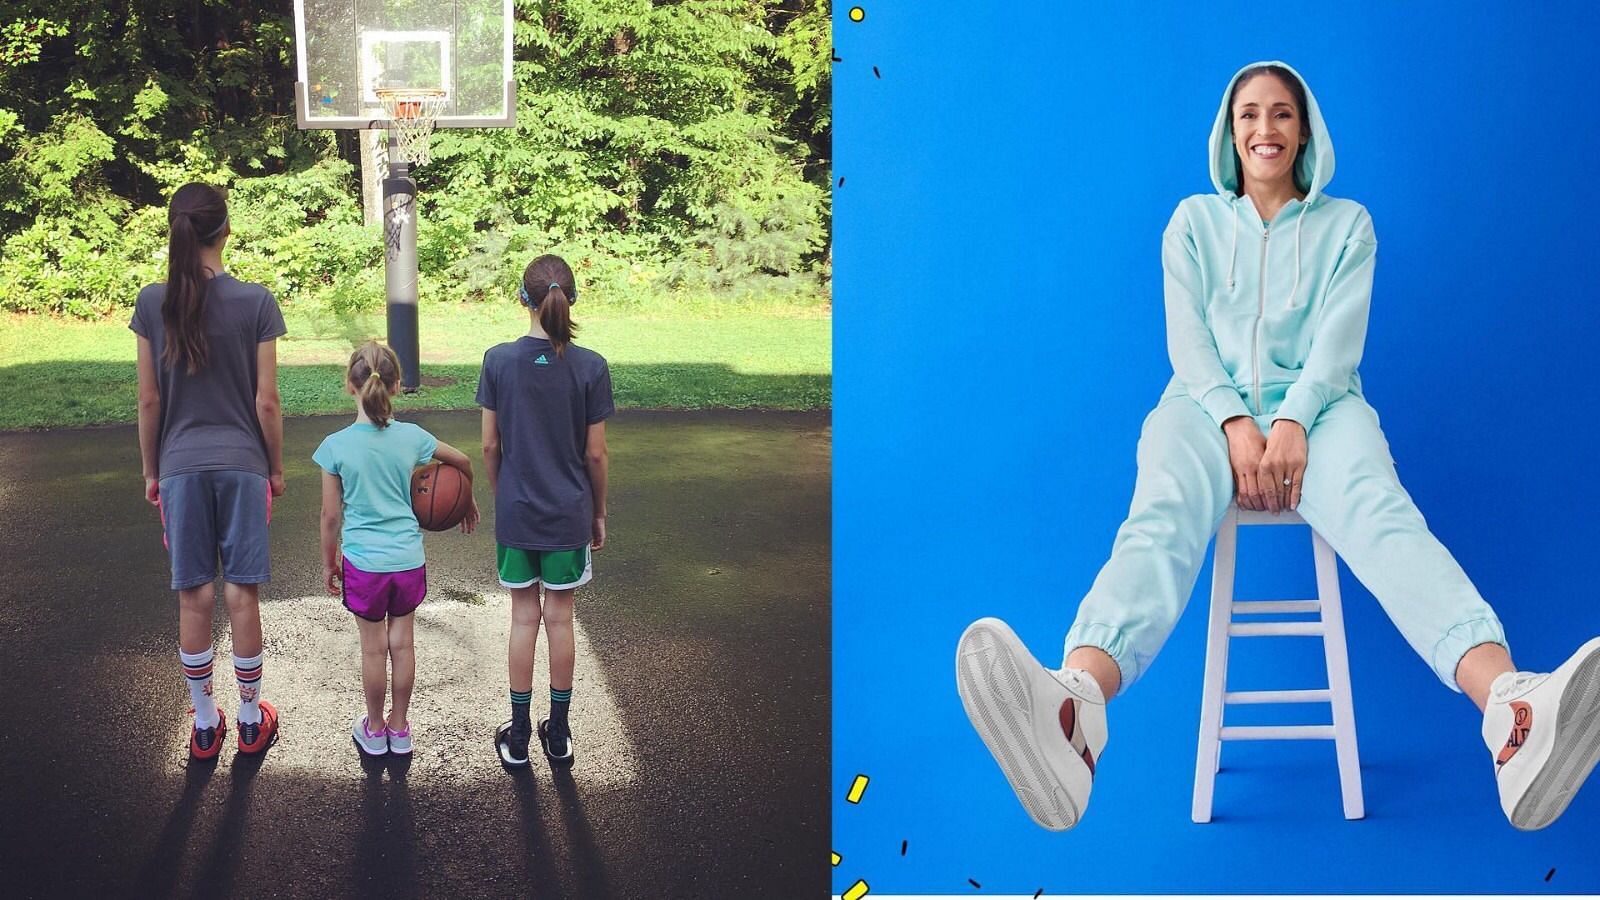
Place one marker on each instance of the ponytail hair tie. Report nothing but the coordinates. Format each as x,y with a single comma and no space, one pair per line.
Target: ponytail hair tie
374,375
522,292
215,232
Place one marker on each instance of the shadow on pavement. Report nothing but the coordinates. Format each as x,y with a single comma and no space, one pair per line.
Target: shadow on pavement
160,871
230,848
385,860
540,864
591,869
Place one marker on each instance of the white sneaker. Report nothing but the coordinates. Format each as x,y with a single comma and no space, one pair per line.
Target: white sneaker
1544,730
369,743
399,741
1046,729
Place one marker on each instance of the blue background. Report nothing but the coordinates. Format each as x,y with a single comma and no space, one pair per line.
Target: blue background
999,339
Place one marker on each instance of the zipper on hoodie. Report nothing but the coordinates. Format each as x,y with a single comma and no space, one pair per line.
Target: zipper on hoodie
1261,313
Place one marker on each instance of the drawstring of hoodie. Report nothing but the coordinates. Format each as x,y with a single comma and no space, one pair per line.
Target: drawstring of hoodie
1233,255
1298,222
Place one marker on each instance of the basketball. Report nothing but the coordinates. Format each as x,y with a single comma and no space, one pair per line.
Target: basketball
440,496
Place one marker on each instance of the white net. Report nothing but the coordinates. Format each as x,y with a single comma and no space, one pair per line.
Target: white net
412,112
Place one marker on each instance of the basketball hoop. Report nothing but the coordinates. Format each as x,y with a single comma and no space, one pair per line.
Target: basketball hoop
412,112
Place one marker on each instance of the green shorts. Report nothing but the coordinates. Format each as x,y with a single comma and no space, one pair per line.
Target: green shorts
560,570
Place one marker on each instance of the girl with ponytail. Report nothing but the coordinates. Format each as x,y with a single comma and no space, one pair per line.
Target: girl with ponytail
211,441
552,311
545,402
380,571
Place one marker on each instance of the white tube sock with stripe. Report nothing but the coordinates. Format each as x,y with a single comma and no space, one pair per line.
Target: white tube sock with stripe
248,672
197,672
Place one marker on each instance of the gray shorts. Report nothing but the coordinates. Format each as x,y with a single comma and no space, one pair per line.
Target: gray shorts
223,513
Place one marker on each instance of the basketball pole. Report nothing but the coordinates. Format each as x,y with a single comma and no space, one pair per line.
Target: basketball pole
400,264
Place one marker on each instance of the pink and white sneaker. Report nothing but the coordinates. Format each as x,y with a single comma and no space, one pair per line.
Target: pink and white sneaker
399,741
369,742
1045,728
1544,730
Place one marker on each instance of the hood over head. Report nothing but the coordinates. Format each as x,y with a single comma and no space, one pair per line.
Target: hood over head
1313,167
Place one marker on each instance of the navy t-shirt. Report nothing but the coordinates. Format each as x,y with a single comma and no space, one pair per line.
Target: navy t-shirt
544,405
208,419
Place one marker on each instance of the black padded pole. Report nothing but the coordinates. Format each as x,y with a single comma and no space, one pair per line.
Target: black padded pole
400,264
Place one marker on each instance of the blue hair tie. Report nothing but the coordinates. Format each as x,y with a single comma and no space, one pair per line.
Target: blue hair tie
522,291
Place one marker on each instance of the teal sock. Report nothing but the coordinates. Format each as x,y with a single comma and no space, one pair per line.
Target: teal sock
559,702
520,701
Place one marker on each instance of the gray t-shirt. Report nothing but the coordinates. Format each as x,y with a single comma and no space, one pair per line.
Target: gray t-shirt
544,405
208,419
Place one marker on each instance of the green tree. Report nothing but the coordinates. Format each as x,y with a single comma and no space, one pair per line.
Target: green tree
663,145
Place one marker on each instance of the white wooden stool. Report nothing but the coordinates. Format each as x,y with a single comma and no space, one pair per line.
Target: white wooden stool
1216,696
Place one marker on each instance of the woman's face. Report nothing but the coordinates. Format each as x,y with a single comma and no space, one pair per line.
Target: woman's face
1268,130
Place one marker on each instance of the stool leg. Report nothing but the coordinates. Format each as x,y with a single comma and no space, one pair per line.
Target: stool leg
1333,644
1208,756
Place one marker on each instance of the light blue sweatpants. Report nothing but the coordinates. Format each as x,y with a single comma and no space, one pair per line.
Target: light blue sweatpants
1350,495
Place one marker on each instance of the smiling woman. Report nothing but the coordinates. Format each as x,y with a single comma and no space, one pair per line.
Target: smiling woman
1269,130
1265,410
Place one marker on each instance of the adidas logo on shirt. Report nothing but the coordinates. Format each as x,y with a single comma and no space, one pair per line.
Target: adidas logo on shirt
541,361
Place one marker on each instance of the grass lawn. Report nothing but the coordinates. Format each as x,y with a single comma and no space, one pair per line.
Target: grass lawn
59,372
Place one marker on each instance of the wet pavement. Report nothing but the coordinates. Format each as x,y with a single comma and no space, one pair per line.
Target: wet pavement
700,708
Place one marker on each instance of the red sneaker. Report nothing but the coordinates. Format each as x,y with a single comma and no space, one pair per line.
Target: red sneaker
206,743
257,738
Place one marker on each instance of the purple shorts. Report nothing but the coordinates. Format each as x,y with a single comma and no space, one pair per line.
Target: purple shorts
375,595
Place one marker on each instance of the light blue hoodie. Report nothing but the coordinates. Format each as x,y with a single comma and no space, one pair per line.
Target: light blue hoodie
1267,318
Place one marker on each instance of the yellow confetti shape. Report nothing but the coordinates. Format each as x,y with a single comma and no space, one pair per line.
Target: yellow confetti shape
857,788
857,14
837,859
857,891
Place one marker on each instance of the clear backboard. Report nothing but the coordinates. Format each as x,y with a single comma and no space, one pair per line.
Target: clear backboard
347,50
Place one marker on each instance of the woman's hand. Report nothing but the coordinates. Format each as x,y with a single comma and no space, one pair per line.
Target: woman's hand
1283,465
1246,445
333,580
152,490
470,522
599,539
275,481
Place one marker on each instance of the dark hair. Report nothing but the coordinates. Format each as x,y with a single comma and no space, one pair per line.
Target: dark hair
197,216
1297,90
374,372
550,278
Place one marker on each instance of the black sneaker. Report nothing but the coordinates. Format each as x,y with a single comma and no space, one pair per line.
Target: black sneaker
554,738
511,743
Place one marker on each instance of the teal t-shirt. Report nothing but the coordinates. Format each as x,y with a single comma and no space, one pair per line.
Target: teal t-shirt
374,467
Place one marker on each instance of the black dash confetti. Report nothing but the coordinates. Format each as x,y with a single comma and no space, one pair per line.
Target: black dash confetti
974,884
904,843
876,73
1549,875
